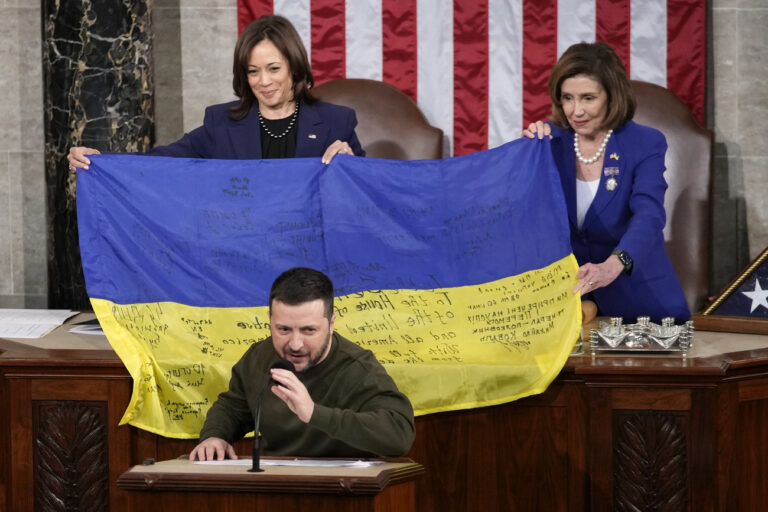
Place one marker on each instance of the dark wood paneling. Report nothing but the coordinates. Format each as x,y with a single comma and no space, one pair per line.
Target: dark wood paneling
650,461
71,460
749,473
504,457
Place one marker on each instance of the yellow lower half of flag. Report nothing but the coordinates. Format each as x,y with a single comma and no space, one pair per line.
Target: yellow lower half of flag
446,348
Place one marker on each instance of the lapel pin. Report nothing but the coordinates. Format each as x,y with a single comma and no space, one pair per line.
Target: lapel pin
614,156
312,136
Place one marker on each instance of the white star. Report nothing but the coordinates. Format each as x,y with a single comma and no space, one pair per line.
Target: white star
758,295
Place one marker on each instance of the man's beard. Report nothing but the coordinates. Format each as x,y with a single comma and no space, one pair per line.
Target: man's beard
315,360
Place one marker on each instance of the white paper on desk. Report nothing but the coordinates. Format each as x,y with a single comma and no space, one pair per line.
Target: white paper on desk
308,463
31,323
87,329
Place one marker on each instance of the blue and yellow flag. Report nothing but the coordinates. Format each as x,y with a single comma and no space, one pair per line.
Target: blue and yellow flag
456,273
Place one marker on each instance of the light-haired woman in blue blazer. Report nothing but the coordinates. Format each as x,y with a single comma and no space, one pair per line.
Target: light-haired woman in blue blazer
275,115
612,173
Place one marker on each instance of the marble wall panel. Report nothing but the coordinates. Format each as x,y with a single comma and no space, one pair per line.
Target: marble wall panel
753,75
22,198
730,246
208,37
169,92
98,93
6,284
730,240
10,136
30,81
752,4
725,64
756,182
740,67
208,4
29,236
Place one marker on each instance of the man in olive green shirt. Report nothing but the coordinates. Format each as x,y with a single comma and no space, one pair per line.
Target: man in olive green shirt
340,402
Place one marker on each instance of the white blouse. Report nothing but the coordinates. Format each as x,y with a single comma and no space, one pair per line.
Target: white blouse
585,194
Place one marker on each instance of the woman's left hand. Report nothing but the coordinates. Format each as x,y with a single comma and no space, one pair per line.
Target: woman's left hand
597,275
338,146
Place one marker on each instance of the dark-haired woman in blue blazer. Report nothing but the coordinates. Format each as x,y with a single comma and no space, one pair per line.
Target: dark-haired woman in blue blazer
612,173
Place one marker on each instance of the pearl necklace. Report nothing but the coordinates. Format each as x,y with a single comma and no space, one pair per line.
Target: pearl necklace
293,121
599,151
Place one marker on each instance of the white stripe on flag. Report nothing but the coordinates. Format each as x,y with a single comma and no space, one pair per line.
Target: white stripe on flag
648,41
299,13
364,39
575,23
435,65
505,71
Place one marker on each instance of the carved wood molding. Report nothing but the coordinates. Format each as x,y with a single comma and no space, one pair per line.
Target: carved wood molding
71,469
650,461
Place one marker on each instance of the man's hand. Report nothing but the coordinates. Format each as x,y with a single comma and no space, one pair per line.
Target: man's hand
293,393
213,448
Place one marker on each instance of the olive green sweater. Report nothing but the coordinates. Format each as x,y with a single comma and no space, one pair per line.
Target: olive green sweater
359,411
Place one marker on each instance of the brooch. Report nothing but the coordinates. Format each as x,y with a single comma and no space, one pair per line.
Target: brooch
612,172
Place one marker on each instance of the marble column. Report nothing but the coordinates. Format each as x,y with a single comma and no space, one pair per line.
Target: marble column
98,89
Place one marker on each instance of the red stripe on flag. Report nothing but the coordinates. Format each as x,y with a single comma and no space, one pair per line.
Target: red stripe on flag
612,26
539,55
328,40
470,76
399,45
687,53
249,10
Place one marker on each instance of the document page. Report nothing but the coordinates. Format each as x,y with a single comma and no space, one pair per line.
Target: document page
31,323
309,463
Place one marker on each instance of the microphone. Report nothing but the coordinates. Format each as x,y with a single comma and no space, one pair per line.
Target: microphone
283,364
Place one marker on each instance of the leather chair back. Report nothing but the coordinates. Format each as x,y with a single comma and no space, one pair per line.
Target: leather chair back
688,198
390,125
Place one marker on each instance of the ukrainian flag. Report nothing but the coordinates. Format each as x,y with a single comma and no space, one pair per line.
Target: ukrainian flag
456,273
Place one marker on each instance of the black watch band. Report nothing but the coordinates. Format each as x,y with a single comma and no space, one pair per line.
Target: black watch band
625,260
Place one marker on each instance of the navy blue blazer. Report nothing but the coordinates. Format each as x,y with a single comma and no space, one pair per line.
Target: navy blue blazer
631,218
319,125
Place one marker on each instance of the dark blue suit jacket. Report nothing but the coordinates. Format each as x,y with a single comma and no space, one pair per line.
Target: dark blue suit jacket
630,218
319,125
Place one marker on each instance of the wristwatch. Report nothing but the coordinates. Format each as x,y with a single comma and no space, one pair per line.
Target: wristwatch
625,260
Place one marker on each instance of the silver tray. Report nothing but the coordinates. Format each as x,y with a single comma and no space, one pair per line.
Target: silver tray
643,336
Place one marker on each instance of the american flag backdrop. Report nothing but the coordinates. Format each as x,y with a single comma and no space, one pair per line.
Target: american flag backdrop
478,69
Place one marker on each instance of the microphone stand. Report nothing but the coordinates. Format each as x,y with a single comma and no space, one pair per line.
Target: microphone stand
285,365
255,468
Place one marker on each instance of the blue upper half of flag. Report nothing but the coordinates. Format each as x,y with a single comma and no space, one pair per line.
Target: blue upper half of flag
216,233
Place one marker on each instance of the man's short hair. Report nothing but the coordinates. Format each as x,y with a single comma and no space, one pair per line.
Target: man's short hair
301,284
